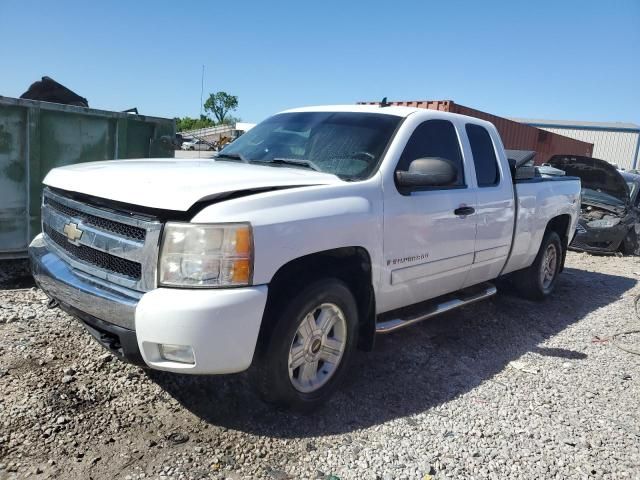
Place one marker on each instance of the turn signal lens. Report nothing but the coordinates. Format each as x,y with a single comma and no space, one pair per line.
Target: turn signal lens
243,241
241,271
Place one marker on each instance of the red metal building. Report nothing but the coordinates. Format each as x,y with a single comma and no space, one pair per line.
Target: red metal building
514,135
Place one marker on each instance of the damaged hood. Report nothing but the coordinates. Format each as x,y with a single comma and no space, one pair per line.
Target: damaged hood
172,184
594,174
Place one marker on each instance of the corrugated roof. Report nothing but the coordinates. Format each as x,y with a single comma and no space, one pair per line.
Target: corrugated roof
578,124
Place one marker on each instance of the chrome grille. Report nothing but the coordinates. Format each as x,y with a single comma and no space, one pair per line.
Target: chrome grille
113,246
128,231
95,257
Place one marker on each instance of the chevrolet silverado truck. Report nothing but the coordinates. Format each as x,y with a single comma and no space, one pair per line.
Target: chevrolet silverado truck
298,243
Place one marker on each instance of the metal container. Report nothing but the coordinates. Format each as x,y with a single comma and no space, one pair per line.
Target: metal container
515,136
38,136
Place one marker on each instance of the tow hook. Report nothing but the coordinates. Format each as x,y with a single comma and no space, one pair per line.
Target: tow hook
53,303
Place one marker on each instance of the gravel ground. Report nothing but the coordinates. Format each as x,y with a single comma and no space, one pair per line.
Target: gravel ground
502,389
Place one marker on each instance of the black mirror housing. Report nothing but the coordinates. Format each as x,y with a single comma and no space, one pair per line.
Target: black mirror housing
427,172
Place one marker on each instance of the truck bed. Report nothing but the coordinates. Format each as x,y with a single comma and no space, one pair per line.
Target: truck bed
538,200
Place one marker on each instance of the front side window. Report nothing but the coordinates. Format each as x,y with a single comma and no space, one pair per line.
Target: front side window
434,138
347,144
484,156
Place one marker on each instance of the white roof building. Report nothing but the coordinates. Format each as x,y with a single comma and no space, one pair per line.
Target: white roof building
617,143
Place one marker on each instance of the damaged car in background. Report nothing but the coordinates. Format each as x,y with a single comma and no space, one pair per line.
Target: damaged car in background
609,213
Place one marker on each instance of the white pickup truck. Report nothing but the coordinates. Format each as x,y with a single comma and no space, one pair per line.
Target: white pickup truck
303,239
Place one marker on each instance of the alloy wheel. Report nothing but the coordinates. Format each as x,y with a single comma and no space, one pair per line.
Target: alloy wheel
317,347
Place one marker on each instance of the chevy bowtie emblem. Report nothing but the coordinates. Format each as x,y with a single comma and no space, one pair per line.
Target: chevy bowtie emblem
72,232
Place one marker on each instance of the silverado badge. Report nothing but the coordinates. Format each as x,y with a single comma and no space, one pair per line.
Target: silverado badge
72,232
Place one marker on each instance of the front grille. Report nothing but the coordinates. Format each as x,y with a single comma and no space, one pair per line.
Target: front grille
105,261
114,245
121,229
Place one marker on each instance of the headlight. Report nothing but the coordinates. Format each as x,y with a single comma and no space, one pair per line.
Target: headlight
604,223
206,255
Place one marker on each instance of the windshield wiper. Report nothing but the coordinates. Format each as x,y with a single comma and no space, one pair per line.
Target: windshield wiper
295,161
233,156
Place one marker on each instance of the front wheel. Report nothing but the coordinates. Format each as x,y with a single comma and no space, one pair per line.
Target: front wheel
310,347
538,281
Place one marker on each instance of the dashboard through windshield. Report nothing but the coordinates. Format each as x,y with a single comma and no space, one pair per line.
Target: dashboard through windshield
347,144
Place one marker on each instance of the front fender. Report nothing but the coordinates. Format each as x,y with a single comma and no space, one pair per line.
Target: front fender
288,224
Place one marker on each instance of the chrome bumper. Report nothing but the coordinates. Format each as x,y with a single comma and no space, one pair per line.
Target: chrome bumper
81,292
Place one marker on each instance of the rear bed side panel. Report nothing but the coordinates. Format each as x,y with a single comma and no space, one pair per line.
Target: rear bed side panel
538,203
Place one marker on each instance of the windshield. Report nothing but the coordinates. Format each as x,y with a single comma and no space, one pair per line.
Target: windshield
596,196
347,144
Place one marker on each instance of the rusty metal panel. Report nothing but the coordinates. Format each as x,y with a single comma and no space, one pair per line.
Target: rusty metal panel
517,136
38,136
441,105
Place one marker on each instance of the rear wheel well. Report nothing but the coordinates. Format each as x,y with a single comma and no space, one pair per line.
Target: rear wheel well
352,265
560,225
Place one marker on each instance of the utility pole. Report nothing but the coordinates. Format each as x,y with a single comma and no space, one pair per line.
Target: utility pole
201,94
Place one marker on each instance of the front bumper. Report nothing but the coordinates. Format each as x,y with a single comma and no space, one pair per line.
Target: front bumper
221,326
599,240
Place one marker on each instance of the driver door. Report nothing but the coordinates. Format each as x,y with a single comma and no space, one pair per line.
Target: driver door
429,232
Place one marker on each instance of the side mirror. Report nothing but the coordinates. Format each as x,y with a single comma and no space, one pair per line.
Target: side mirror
427,172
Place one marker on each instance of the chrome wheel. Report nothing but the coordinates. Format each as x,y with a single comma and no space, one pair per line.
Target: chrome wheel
549,266
317,347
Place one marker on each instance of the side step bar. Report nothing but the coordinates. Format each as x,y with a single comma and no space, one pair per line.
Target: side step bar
438,306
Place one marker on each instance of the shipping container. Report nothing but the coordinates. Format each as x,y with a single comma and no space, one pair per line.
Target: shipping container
515,136
38,136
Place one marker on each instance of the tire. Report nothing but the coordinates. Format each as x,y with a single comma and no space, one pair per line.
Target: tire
538,281
298,388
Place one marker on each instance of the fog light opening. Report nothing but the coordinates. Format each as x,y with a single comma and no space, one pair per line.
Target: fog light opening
177,353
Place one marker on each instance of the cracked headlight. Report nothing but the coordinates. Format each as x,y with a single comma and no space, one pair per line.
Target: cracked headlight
206,255
604,223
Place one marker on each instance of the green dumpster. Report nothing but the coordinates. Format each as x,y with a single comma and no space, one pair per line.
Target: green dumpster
38,136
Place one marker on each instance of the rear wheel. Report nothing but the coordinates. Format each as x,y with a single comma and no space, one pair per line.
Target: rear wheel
538,281
310,347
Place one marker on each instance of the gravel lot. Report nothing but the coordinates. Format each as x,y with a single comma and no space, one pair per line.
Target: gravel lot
505,388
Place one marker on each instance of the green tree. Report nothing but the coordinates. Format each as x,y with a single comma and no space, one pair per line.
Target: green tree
188,123
231,120
220,104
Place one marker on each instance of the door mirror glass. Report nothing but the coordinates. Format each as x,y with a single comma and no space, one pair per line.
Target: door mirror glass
428,172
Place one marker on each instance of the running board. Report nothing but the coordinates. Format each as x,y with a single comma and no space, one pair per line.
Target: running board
438,306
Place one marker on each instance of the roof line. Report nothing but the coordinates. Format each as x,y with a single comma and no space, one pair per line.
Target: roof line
578,125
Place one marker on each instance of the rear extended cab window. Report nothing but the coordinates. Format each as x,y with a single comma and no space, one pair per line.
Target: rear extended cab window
484,156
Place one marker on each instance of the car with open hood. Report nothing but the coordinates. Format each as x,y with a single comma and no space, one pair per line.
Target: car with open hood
609,214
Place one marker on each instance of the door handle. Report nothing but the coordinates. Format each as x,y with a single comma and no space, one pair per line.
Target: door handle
463,211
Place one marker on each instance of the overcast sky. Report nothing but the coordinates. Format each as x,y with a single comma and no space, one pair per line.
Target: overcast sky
542,59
